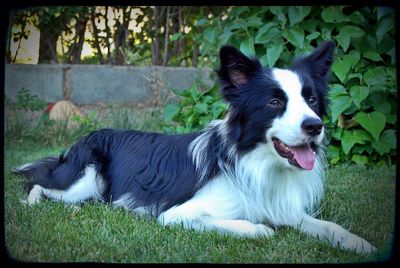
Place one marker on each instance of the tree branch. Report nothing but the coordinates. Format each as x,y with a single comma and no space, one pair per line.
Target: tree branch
108,35
165,60
96,37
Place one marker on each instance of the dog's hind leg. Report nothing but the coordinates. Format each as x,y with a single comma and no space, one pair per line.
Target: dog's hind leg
35,195
90,185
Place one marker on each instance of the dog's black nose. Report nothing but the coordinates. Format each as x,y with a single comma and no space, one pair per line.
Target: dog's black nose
312,126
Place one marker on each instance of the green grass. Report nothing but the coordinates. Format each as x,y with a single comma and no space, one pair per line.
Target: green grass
26,130
360,199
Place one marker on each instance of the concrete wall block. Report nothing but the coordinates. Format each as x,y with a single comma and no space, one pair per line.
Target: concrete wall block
91,84
178,78
44,80
102,83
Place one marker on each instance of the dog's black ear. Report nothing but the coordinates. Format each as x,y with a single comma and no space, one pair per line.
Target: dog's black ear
319,62
236,69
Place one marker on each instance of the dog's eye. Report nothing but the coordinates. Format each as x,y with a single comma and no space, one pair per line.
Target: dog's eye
276,103
312,100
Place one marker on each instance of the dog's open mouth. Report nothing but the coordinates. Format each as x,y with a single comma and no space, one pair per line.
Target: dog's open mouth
301,156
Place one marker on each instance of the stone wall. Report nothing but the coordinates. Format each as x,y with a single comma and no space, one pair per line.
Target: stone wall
106,84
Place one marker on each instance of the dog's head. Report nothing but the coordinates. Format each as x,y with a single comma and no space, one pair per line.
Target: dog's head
280,108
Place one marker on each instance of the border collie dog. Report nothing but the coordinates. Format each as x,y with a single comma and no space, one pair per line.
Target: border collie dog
259,168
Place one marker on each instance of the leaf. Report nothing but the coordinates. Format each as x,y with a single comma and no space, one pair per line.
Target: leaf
217,108
200,22
355,75
298,13
373,122
334,151
362,148
180,129
295,36
176,36
254,21
358,94
200,108
224,37
204,120
273,53
341,67
326,33
344,41
353,31
309,25
372,56
333,14
247,47
264,60
337,90
385,45
337,133
386,142
359,159
238,24
265,28
384,26
375,76
357,18
339,105
279,12
381,105
349,138
170,111
346,33
391,118
313,35
237,10
276,10
266,33
210,34
194,92
353,57
383,11
334,154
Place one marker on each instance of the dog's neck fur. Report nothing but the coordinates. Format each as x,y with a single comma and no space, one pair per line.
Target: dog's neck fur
266,190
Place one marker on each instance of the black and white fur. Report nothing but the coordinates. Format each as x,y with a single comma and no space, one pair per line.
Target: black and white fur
259,168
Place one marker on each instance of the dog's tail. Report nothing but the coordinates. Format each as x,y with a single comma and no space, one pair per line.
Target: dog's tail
39,172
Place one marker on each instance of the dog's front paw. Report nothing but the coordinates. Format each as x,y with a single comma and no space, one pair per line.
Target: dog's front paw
263,230
353,242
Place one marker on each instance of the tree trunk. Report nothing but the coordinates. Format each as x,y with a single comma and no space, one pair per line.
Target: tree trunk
195,56
166,37
108,36
47,46
96,37
156,41
121,34
181,25
74,54
9,36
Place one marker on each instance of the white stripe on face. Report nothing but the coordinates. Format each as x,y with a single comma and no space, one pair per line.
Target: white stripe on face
288,127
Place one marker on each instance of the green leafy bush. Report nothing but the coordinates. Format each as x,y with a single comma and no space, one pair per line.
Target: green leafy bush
196,108
87,123
26,101
362,118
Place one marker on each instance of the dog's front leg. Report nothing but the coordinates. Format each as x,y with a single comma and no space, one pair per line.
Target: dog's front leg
336,235
191,216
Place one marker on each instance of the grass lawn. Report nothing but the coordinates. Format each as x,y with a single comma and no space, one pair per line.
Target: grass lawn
360,199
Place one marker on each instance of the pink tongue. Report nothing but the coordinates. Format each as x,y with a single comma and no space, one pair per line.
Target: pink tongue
304,156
